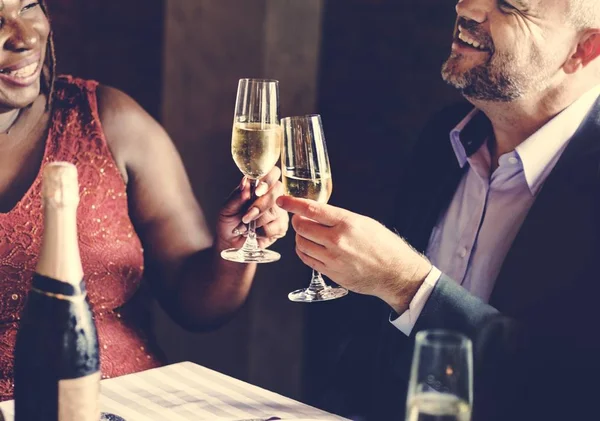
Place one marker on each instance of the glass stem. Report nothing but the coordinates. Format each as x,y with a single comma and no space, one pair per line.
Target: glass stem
251,244
317,283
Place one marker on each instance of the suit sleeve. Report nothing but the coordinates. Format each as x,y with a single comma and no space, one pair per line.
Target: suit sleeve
450,306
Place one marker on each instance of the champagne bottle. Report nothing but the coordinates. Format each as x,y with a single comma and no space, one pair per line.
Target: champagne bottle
57,365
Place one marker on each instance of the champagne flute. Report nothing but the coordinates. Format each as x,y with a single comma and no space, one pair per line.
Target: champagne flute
441,380
306,173
256,148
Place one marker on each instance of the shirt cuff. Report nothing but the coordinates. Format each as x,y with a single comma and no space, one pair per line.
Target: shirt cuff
407,320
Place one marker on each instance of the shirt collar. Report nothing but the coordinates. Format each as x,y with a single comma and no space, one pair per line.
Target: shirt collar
468,136
539,152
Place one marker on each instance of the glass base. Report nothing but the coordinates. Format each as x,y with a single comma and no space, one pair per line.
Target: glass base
243,256
308,295
107,416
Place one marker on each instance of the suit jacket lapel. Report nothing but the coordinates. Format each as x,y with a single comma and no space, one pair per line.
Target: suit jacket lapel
438,174
426,210
558,237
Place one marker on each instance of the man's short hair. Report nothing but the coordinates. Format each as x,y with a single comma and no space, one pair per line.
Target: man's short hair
584,14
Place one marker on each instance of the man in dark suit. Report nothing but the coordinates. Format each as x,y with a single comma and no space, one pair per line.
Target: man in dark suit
500,217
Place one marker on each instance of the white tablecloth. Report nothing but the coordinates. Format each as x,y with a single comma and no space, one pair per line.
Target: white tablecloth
187,391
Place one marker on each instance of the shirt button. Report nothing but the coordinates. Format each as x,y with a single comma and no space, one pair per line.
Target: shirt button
463,252
513,160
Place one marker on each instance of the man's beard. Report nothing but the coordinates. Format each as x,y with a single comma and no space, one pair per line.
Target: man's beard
485,82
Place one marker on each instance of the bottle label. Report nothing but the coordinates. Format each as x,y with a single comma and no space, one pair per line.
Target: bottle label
57,289
78,398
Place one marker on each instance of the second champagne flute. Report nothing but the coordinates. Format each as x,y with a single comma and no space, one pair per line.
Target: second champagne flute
256,148
441,379
306,173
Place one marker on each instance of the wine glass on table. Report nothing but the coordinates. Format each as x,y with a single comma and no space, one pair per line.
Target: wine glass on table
306,173
441,380
256,148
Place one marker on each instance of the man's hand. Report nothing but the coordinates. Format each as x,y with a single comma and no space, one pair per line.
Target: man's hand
271,221
356,252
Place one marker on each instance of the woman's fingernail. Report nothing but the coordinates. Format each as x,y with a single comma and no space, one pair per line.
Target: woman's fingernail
241,229
261,189
243,183
252,213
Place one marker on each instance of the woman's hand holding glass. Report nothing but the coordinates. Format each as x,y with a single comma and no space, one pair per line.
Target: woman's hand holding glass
256,148
271,222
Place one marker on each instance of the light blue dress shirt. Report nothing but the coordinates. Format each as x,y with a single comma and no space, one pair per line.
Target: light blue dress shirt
474,234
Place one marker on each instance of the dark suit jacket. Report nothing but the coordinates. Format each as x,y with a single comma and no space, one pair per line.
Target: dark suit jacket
540,326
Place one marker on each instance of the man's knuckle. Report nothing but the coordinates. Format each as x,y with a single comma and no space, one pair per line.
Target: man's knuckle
312,209
337,239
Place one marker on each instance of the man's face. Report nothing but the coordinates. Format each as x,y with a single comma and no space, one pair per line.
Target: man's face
506,49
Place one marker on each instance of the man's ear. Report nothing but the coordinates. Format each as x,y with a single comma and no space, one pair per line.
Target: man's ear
587,50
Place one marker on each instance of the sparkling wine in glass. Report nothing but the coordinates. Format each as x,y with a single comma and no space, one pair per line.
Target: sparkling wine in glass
256,148
441,381
306,173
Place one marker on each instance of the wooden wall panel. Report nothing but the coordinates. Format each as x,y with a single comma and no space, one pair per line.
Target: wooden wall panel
118,43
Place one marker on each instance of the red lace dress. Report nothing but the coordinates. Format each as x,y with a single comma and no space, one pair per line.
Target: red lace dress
111,251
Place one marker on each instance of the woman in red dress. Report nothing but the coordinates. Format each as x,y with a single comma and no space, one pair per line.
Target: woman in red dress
137,214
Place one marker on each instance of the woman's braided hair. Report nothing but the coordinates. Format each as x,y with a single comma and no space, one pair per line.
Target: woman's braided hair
49,70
